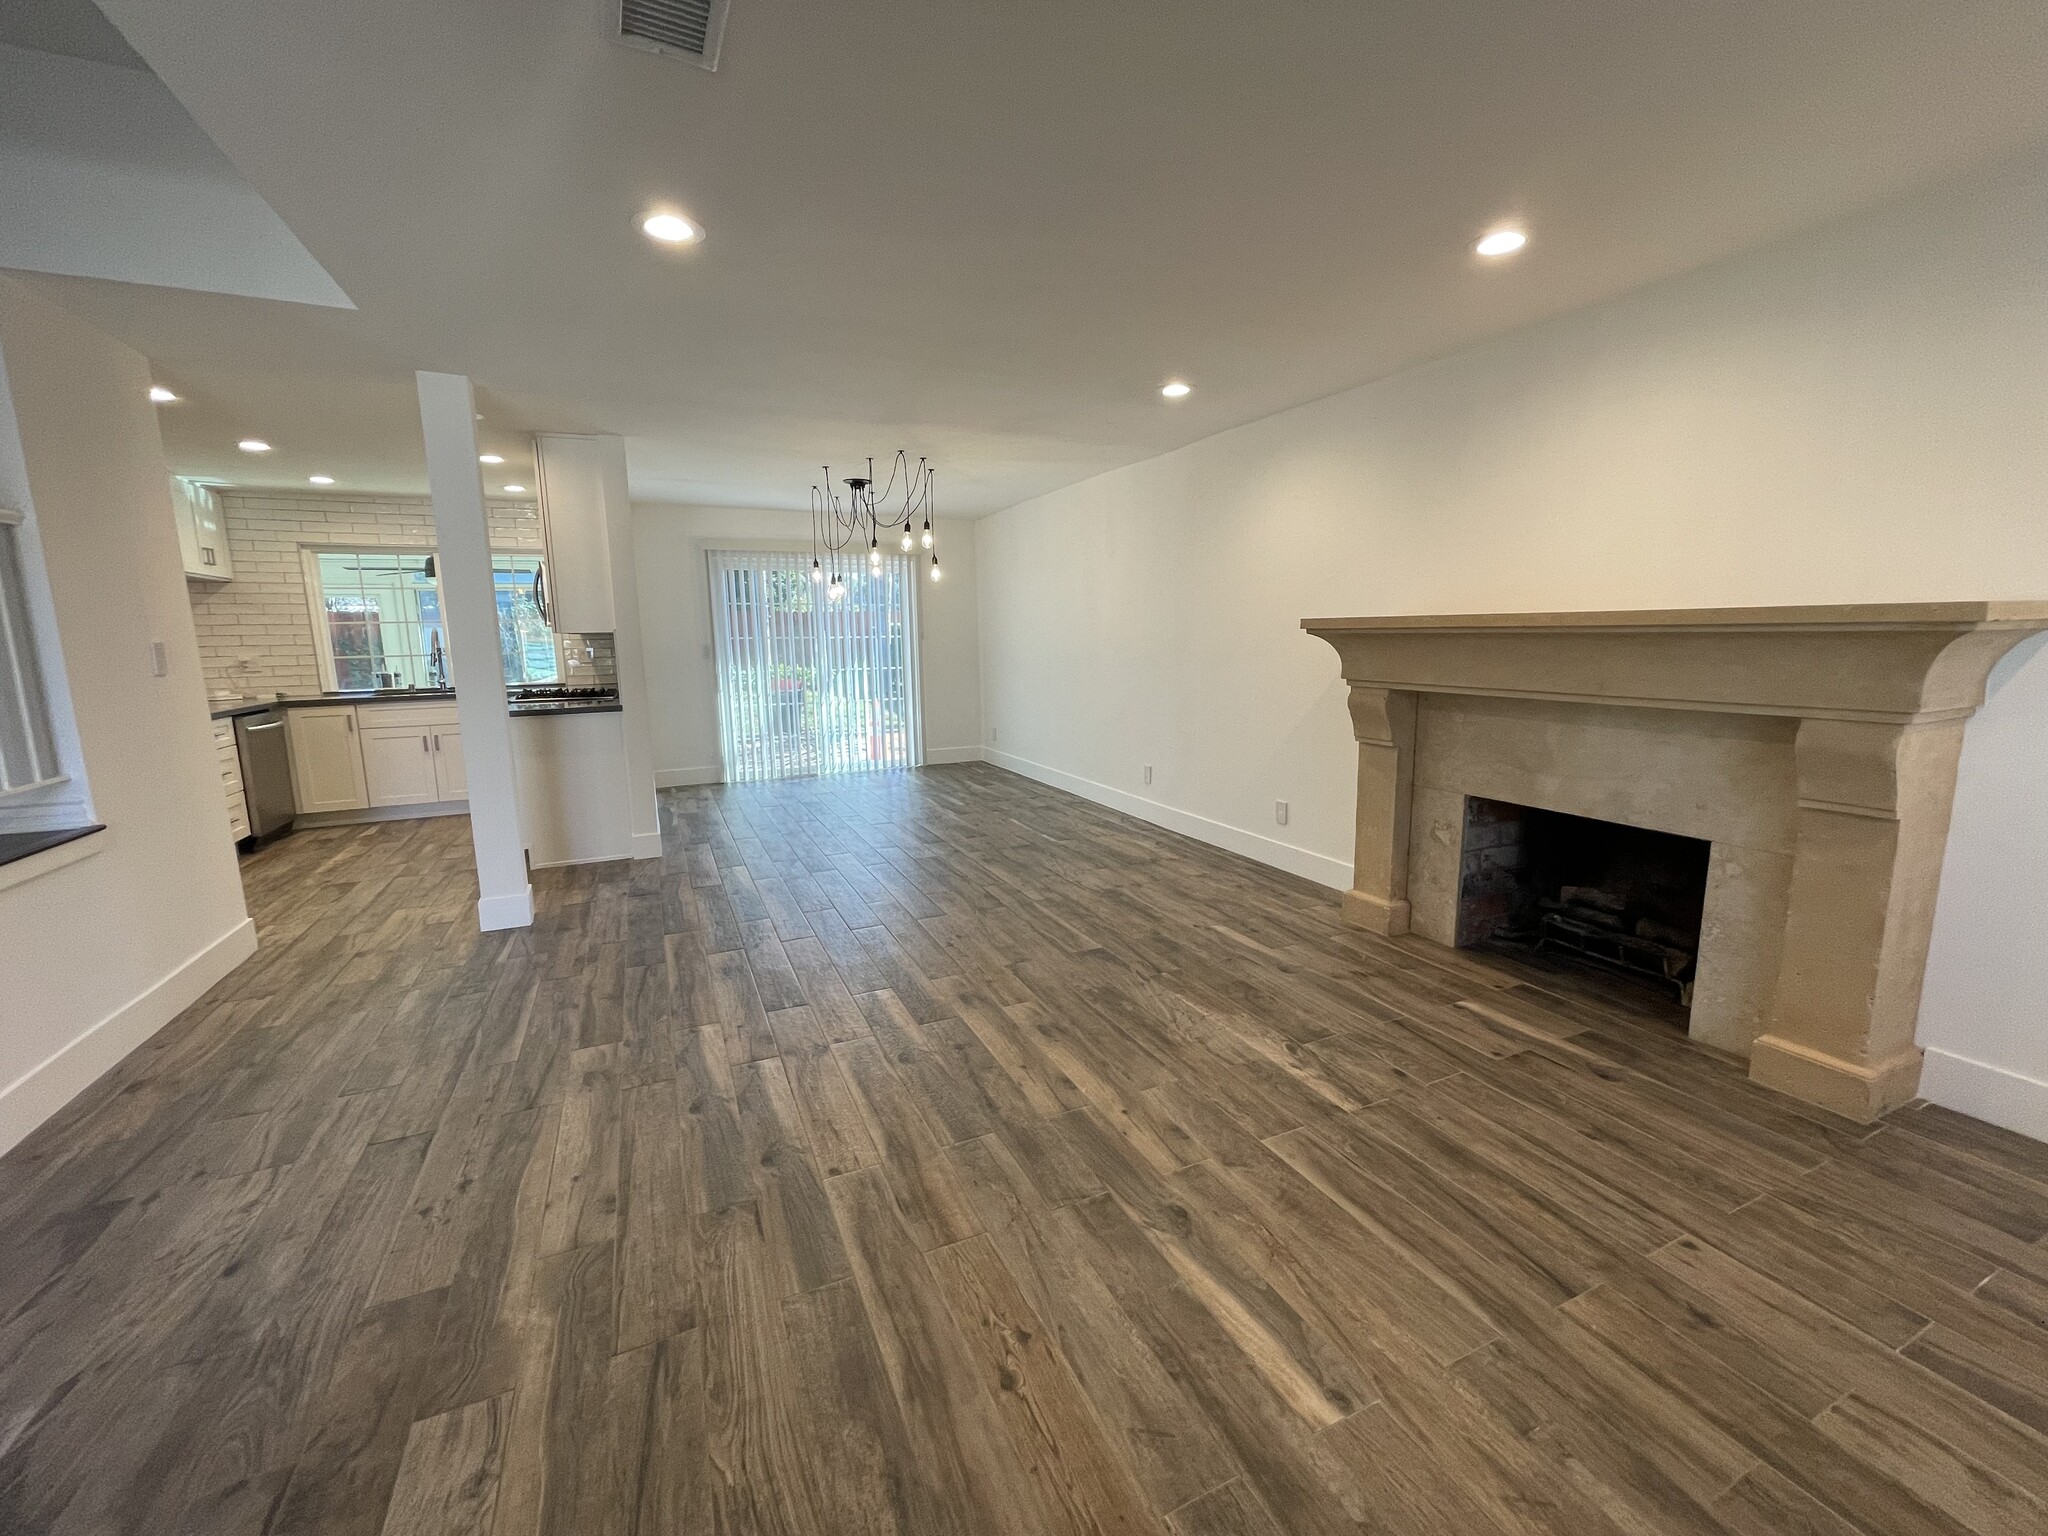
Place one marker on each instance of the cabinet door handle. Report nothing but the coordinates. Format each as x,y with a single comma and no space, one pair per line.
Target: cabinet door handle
350,721
423,741
437,741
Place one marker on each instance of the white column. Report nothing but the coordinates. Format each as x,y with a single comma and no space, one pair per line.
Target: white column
469,606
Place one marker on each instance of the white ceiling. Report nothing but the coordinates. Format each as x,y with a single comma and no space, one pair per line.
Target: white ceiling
103,174
987,233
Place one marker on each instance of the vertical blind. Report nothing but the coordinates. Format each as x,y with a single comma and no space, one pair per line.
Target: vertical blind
808,684
28,753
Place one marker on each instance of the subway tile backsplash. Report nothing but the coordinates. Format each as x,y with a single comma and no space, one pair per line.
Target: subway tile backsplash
256,631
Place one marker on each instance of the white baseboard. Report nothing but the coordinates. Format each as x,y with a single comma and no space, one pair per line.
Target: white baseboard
46,1088
676,778
419,812
1984,1092
595,858
933,755
1266,850
513,911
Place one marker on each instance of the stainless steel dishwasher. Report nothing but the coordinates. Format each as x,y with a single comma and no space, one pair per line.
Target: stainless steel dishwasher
266,773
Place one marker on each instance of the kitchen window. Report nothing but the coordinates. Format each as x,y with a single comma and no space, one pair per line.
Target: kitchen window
377,617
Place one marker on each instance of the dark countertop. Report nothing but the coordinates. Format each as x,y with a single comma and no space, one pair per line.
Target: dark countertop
606,706
563,707
20,845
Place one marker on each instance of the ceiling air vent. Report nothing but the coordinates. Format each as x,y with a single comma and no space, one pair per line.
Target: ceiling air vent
689,29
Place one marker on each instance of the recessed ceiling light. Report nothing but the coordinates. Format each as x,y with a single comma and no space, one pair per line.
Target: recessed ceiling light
1175,391
670,229
320,479
490,458
515,490
1502,242
161,395
253,445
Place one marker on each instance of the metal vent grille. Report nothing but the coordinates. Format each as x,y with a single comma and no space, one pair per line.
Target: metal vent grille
688,28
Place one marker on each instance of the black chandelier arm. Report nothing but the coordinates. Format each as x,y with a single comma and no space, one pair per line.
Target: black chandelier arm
836,524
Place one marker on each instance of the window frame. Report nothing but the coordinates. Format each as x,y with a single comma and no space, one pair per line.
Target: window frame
62,801
316,600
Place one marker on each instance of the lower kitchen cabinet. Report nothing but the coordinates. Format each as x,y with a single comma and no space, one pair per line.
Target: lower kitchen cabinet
451,774
398,764
231,778
327,764
354,757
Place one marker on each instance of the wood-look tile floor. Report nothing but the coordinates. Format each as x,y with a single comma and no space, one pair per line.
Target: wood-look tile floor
939,1153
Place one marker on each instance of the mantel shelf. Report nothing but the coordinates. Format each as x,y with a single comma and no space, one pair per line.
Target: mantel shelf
1880,662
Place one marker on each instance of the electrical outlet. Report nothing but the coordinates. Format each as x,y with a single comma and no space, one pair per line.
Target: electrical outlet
1148,773
1280,813
159,659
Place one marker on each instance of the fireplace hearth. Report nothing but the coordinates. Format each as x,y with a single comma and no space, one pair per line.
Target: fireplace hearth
1614,898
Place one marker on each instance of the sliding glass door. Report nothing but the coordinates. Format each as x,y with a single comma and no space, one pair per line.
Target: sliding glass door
811,684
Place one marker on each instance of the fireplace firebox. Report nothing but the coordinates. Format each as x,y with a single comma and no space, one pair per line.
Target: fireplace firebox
1597,893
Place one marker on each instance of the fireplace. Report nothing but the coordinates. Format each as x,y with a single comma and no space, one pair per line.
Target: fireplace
1599,894
1810,752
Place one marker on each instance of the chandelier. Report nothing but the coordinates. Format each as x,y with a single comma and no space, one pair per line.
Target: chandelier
837,525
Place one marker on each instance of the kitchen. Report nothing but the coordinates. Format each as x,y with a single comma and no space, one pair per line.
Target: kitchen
327,656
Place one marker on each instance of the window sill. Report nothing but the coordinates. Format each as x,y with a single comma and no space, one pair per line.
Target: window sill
25,855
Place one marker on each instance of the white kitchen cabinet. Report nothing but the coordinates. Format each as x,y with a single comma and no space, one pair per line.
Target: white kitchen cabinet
451,774
398,763
202,531
578,477
327,760
230,760
412,753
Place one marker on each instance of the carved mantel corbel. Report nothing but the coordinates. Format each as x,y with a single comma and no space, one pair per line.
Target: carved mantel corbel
1383,720
1874,800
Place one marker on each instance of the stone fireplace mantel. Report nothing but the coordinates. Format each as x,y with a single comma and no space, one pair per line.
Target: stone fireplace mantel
1815,747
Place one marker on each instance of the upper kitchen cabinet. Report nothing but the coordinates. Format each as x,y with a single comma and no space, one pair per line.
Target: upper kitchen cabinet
202,532
582,489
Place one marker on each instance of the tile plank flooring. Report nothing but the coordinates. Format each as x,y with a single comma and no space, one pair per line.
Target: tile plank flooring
937,1152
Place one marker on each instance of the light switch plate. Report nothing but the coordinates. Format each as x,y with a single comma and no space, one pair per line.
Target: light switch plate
1148,773
1280,813
159,659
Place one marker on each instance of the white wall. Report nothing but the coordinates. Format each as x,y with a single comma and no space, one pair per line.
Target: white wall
675,620
95,956
1984,1013
1857,414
